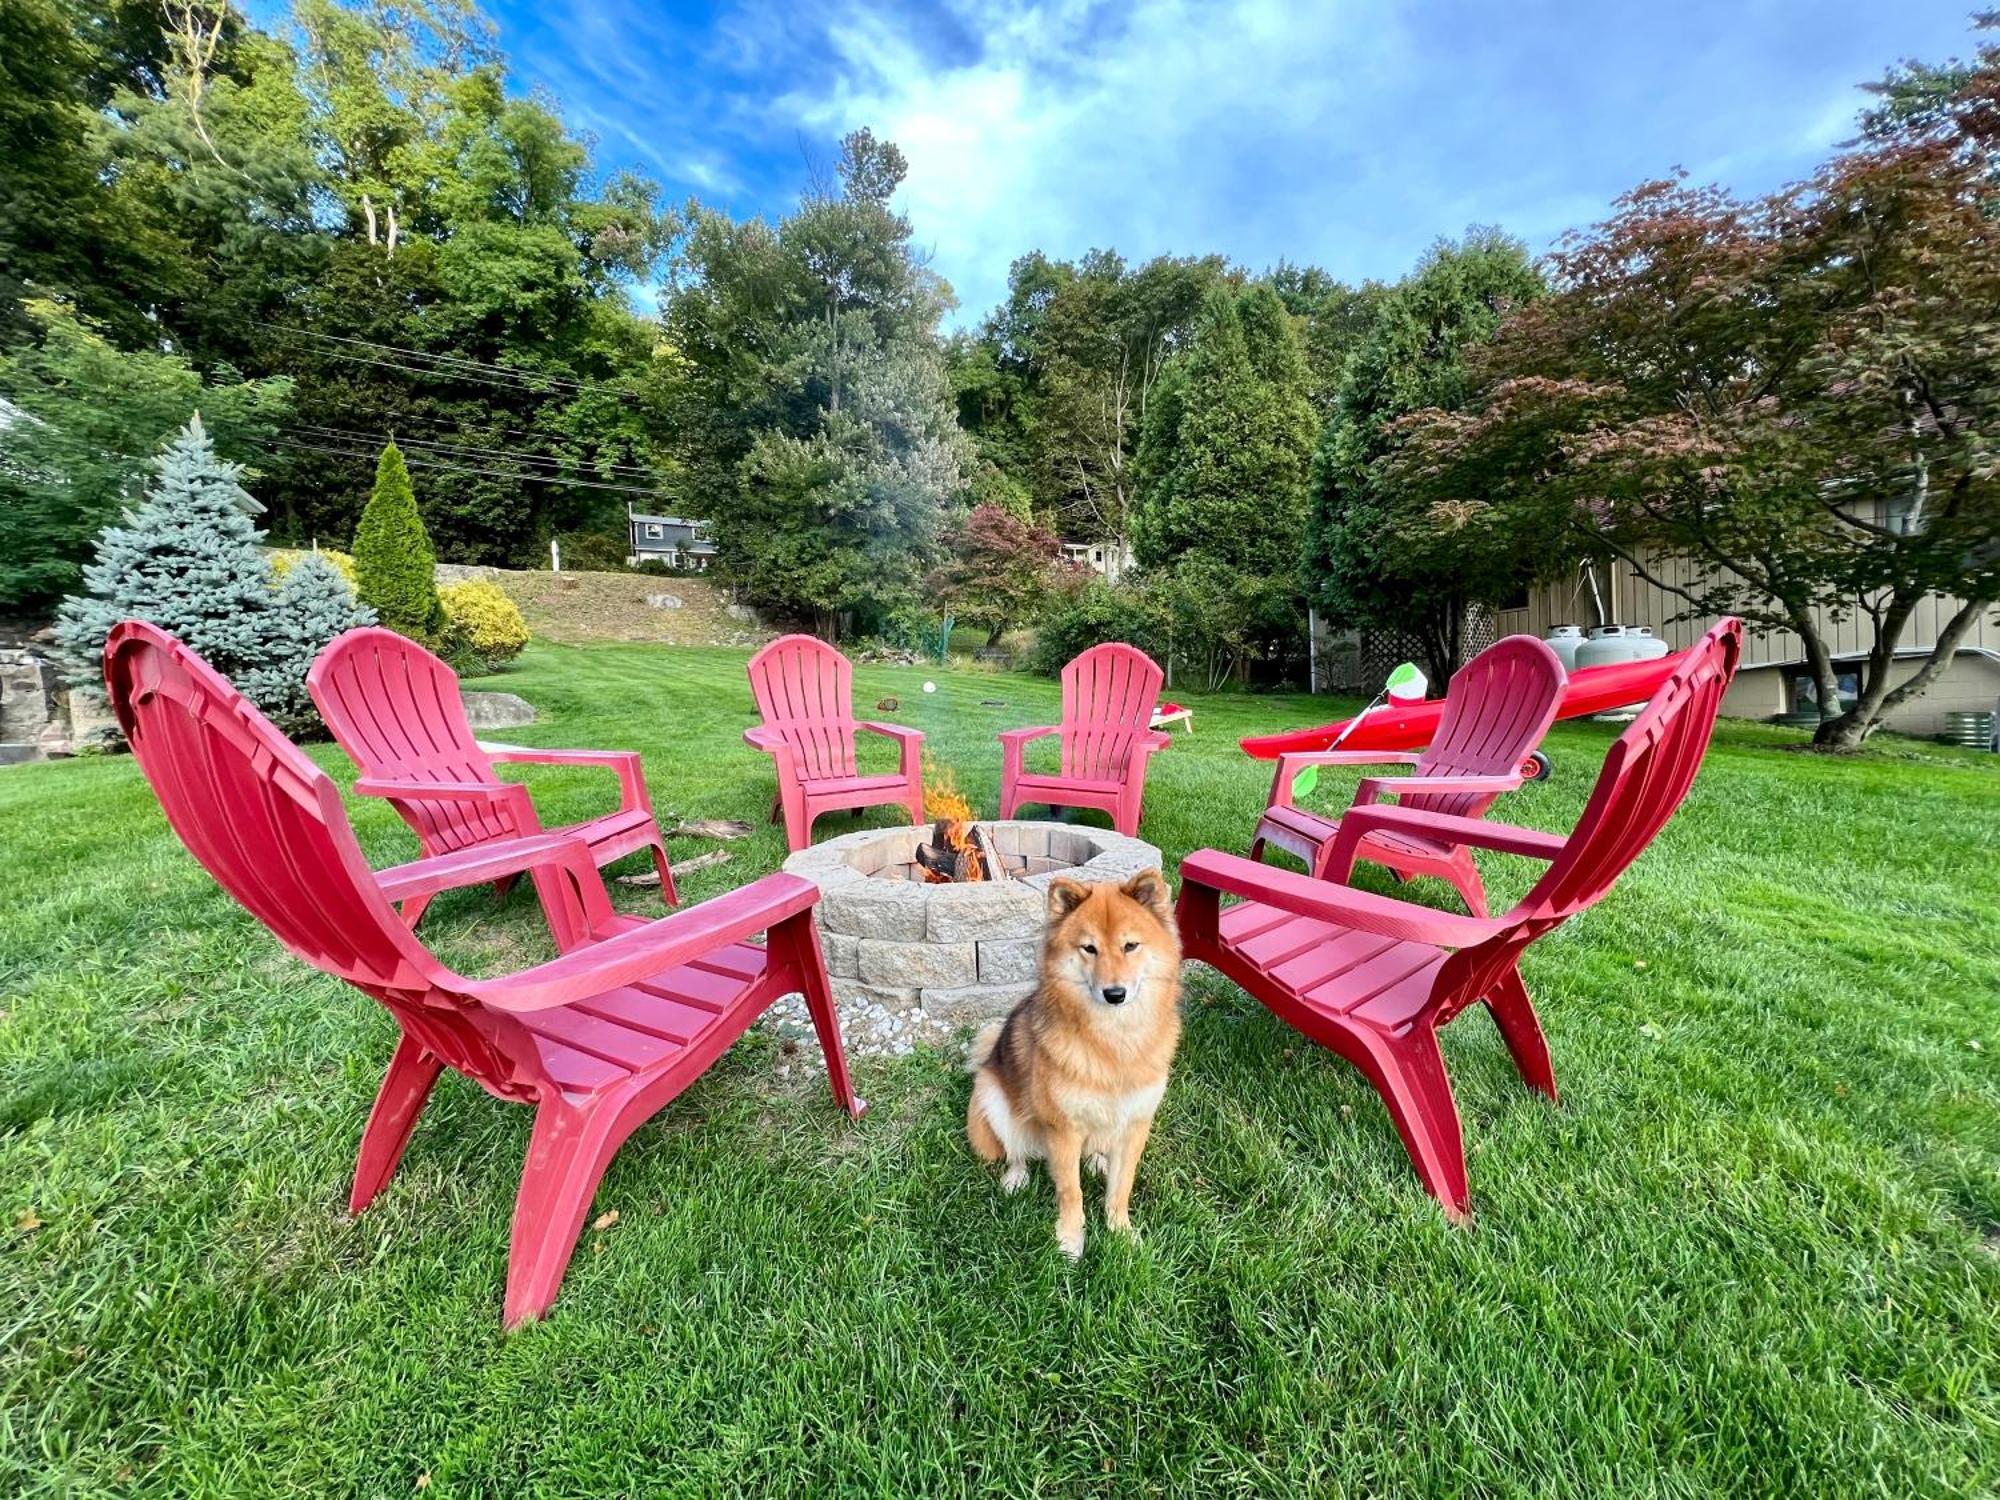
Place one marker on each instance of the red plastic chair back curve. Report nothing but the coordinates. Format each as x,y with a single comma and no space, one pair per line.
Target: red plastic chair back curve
1108,694
1498,707
396,709
805,691
256,813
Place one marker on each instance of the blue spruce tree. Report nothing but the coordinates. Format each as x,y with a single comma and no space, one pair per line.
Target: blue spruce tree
187,560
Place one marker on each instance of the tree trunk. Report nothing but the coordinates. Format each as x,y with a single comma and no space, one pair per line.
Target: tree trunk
1877,699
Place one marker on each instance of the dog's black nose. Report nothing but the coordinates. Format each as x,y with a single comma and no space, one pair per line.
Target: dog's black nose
1114,994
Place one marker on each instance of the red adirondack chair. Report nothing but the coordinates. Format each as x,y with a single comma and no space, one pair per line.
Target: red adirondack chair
598,1040
1497,709
1373,978
1107,737
396,710
805,694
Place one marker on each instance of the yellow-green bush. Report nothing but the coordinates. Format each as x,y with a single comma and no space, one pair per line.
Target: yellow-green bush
485,620
283,558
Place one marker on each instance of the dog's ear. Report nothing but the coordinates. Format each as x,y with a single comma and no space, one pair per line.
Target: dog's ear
1065,896
1149,889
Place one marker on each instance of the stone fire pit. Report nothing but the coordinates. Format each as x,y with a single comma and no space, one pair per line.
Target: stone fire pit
911,959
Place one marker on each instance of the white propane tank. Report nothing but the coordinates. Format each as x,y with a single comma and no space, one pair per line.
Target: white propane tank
1563,640
1609,644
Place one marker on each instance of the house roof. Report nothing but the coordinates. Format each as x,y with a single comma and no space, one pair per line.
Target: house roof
664,520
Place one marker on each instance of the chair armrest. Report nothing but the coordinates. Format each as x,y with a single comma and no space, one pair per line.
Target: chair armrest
1231,874
1294,761
893,731
1013,750
481,863
1374,788
1503,838
643,952
624,764
1155,739
763,737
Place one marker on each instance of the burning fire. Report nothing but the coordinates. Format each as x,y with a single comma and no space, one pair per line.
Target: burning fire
953,844
970,856
943,800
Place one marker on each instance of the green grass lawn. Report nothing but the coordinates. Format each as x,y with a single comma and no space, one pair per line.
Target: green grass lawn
1757,1249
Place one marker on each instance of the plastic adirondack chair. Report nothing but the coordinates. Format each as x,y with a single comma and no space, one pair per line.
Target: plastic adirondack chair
598,1040
1108,695
1374,978
397,712
1497,710
805,694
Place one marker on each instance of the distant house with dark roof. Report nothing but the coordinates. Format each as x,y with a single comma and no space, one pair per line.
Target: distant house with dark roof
677,541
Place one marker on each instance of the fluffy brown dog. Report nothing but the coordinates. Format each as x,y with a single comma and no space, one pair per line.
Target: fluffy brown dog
1079,1066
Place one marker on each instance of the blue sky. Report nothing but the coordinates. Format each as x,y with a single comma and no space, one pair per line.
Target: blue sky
1347,134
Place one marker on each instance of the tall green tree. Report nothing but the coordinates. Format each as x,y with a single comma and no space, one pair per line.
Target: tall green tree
395,570
812,406
82,423
1225,461
1365,565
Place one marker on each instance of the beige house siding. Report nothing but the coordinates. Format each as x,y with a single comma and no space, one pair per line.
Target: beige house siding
1972,681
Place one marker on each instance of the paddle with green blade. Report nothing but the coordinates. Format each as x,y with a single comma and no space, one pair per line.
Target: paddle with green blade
1407,684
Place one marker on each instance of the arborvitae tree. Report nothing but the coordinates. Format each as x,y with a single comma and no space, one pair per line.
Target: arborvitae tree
313,604
393,560
1224,464
187,561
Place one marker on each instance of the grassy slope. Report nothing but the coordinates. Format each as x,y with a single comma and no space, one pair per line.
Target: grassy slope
1755,1249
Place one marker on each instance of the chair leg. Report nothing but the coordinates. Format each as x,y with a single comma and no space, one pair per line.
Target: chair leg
1257,850
1409,1074
668,894
405,1088
413,910
1514,1013
915,803
567,1155
800,944
503,885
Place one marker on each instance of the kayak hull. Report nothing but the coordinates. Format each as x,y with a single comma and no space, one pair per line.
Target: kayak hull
1589,690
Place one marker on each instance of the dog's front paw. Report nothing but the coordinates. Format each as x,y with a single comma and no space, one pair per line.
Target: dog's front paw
1070,1237
1015,1177
1119,1221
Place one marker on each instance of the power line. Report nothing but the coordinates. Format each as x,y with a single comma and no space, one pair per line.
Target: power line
349,434
520,376
430,463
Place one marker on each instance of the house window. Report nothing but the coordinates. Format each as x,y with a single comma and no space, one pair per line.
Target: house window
654,531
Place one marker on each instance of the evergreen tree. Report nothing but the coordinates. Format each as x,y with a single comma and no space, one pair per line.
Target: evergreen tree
1224,466
187,561
1367,565
313,604
393,561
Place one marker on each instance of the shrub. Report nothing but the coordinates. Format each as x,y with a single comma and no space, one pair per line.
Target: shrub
314,604
1099,612
594,551
284,559
187,560
394,566
484,622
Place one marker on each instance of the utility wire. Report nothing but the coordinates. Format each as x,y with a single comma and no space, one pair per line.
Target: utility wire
430,463
500,373
510,455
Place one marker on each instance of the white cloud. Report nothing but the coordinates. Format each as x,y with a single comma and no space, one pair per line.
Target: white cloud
1063,133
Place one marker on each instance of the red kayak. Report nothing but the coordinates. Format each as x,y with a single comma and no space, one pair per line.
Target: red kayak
1590,690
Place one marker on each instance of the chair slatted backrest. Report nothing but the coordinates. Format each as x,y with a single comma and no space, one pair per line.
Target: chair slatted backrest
268,825
805,690
1497,708
1108,696
398,713
1645,777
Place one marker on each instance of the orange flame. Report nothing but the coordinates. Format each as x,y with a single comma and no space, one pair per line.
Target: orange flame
943,799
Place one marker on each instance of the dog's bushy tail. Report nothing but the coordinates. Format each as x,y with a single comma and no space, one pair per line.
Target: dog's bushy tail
983,1045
